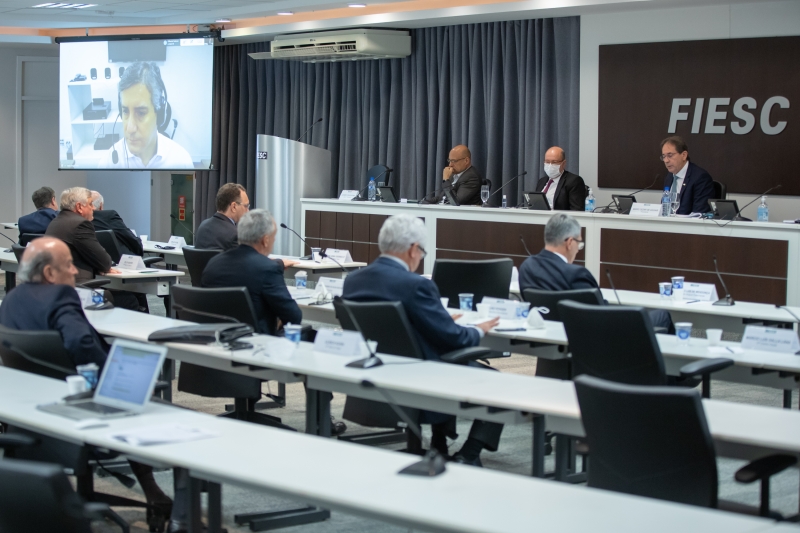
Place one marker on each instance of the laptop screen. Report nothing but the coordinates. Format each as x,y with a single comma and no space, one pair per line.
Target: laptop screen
128,374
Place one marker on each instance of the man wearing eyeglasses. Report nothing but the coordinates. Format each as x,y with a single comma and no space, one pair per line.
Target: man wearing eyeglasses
692,184
219,231
564,190
461,178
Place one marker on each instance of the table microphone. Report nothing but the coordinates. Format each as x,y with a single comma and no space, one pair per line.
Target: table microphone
179,221
608,275
432,464
97,307
785,308
304,258
309,129
486,204
605,209
738,216
524,245
10,239
727,300
324,255
368,362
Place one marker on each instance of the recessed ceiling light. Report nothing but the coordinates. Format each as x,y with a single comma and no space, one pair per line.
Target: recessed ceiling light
356,5
285,13
62,5
223,20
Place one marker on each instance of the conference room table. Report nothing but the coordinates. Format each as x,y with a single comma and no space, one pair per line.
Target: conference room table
739,431
358,479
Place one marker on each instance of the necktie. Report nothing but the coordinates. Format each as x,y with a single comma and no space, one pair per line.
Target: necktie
547,187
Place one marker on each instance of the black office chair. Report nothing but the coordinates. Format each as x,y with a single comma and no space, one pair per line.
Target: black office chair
25,238
196,261
547,301
483,277
655,442
39,497
720,190
617,343
212,306
18,250
381,173
111,245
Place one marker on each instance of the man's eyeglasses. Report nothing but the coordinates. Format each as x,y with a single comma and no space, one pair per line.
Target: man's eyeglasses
667,156
246,206
581,244
421,249
546,162
451,161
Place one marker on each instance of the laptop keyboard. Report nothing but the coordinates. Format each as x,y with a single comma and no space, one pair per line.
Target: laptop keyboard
98,408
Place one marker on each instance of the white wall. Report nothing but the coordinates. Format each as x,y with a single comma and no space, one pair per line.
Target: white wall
762,19
127,192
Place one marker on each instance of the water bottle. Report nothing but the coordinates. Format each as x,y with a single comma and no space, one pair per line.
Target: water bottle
763,210
665,201
588,204
505,202
371,190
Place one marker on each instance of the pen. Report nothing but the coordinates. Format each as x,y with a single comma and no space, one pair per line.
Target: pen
729,349
693,302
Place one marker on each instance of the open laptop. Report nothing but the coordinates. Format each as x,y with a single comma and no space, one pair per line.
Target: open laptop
451,198
386,194
125,386
624,203
536,200
724,209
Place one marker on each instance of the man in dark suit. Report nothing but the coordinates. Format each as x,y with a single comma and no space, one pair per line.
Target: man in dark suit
73,225
565,191
391,278
461,178
108,219
46,301
219,231
46,210
247,265
692,184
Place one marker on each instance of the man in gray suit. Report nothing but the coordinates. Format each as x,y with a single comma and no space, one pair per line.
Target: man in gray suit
219,231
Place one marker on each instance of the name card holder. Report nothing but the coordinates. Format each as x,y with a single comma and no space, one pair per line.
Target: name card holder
348,195
505,309
333,286
645,210
177,241
704,292
131,262
770,339
342,256
338,342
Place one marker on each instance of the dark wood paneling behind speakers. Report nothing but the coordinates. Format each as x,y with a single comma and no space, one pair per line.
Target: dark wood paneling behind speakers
312,224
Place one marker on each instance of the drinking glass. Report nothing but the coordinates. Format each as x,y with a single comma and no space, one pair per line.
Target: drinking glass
484,193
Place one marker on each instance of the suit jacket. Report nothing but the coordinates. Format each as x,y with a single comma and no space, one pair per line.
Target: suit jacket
110,220
570,192
43,307
243,266
467,191
37,221
217,233
548,272
696,191
387,281
78,233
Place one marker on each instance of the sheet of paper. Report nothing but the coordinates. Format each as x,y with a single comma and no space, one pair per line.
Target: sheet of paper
163,434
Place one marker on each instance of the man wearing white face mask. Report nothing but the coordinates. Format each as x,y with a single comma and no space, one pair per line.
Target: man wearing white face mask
565,191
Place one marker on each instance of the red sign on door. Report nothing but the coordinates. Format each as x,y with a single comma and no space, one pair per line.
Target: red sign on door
181,207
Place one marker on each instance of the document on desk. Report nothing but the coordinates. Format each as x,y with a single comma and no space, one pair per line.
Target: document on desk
163,434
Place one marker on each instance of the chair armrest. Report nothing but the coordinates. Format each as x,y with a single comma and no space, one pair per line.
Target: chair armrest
10,441
764,468
101,511
659,329
162,386
95,283
705,366
151,260
465,355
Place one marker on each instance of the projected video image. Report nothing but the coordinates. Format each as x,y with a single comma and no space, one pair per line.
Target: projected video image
136,104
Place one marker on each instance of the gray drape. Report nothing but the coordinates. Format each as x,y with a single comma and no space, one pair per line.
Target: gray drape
508,90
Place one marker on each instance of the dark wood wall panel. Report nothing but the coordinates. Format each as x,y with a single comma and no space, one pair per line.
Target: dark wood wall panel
745,288
312,224
736,255
360,252
327,225
452,254
361,227
344,227
375,223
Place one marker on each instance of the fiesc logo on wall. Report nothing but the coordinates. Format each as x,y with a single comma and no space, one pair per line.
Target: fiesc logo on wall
731,100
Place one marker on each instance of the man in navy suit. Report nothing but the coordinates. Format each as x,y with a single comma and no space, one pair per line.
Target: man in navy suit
391,278
46,210
219,231
247,265
693,185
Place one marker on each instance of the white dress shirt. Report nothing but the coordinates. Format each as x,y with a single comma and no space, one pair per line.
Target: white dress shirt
169,154
551,192
677,180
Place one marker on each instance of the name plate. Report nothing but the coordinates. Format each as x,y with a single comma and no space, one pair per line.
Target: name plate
505,309
131,262
177,242
646,210
704,292
342,256
770,339
348,195
338,342
333,286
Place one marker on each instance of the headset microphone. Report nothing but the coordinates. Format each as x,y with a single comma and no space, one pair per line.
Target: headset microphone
114,154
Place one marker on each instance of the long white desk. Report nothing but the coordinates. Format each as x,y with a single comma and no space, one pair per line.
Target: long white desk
363,480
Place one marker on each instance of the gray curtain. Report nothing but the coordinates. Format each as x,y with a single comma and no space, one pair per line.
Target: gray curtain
508,90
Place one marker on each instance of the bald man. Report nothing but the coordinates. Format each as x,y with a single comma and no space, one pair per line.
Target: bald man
565,191
460,177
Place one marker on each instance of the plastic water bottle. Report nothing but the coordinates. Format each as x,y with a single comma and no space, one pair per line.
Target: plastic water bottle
665,201
371,190
588,204
505,202
763,210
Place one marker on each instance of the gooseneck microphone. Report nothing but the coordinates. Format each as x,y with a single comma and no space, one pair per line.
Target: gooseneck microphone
304,258
611,282
359,198
524,245
179,221
432,464
114,154
738,216
324,255
10,239
786,308
368,362
309,129
728,300
486,204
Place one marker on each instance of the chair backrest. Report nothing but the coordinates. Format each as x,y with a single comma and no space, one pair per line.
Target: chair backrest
648,441
25,238
387,324
342,315
613,342
231,302
44,345
549,300
720,190
110,244
381,173
196,261
39,497
18,250
484,277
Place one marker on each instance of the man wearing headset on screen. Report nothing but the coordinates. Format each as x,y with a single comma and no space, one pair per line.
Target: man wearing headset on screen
145,114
